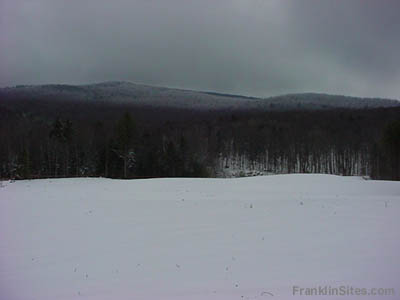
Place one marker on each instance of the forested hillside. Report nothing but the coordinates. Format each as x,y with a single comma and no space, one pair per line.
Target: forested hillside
131,94
57,134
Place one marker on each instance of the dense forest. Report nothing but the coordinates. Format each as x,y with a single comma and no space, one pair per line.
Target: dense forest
117,140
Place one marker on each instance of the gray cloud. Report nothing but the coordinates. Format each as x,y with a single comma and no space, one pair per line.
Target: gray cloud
254,47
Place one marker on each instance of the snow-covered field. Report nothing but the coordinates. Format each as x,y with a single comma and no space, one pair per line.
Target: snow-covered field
247,238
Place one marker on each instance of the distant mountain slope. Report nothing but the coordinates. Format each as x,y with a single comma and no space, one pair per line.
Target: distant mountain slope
127,93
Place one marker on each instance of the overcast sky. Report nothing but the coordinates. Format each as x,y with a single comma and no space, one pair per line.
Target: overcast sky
252,47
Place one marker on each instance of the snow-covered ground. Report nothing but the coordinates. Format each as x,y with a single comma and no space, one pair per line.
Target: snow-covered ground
246,238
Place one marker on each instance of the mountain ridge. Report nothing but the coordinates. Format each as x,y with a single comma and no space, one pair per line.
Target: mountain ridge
129,93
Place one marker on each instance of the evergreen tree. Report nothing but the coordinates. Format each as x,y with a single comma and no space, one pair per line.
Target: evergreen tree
61,133
391,141
125,141
24,165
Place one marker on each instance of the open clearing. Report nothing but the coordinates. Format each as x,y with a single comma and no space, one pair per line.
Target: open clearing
247,238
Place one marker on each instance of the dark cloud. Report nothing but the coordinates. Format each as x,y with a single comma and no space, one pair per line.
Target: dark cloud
255,47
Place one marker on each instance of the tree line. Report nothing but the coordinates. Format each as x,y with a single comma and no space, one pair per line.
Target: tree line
338,141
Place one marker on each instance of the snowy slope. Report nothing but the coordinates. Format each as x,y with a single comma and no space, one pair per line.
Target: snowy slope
242,238
151,96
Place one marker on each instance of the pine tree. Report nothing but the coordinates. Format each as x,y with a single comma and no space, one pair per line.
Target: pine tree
125,142
391,141
61,133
